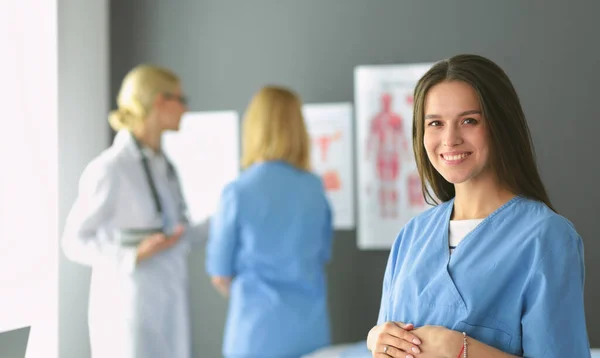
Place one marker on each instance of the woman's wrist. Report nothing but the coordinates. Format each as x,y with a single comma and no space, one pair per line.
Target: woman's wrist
453,343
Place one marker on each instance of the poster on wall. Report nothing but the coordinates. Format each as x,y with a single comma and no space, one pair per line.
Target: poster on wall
389,187
330,128
205,153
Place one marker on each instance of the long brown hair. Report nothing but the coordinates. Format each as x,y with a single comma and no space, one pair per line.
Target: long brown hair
512,153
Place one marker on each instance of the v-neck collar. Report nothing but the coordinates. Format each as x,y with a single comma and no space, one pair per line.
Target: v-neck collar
444,243
448,213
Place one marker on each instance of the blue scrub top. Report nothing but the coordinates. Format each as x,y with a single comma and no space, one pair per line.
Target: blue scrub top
515,282
273,234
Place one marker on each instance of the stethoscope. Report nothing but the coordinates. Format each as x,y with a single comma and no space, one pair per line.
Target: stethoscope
151,184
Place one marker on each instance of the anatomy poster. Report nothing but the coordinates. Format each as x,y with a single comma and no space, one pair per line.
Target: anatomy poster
389,188
330,129
205,153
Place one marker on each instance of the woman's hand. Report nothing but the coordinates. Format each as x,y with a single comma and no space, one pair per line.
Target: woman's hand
222,284
156,243
393,339
439,342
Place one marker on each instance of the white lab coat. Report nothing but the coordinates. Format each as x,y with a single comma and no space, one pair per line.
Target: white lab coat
135,311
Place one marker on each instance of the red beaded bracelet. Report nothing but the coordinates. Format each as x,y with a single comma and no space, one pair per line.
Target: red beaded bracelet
463,351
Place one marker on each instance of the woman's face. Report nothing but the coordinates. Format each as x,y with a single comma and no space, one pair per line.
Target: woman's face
456,133
172,106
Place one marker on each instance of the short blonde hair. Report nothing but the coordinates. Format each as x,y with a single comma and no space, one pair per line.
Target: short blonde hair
274,129
138,91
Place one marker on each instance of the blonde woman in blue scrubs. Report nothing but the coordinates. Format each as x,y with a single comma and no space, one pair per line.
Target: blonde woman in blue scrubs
492,270
271,238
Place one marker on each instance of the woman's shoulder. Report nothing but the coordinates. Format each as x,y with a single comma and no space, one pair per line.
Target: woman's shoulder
542,216
546,226
431,216
315,180
268,173
108,164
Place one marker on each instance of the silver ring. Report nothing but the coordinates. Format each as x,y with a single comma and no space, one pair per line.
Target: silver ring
385,348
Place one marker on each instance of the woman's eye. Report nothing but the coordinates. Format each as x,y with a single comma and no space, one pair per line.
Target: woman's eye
470,121
434,123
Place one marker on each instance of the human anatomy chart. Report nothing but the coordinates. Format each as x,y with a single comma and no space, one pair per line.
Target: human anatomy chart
330,128
205,153
389,188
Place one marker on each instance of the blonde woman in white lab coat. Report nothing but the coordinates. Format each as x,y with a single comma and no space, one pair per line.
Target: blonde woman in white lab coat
129,224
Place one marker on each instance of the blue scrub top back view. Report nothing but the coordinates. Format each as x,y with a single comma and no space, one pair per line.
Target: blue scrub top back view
273,234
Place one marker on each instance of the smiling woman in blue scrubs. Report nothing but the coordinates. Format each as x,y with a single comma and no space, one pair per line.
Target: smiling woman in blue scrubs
271,238
492,270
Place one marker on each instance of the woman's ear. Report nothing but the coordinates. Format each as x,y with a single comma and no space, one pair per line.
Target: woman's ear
159,101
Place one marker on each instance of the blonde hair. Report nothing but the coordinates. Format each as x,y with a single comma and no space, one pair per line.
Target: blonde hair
138,91
274,129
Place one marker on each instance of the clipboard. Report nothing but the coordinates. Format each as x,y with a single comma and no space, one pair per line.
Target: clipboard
133,236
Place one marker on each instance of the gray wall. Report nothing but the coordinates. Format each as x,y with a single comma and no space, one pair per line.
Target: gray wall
225,50
83,90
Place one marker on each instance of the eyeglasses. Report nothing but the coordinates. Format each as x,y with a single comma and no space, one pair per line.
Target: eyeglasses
181,99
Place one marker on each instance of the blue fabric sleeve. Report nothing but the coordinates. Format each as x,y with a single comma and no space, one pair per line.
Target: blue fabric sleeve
387,282
223,235
553,321
328,233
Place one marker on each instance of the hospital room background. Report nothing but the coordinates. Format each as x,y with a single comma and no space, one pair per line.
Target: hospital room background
226,50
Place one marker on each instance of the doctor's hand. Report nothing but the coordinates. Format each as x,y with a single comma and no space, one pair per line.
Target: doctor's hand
222,284
393,339
156,243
